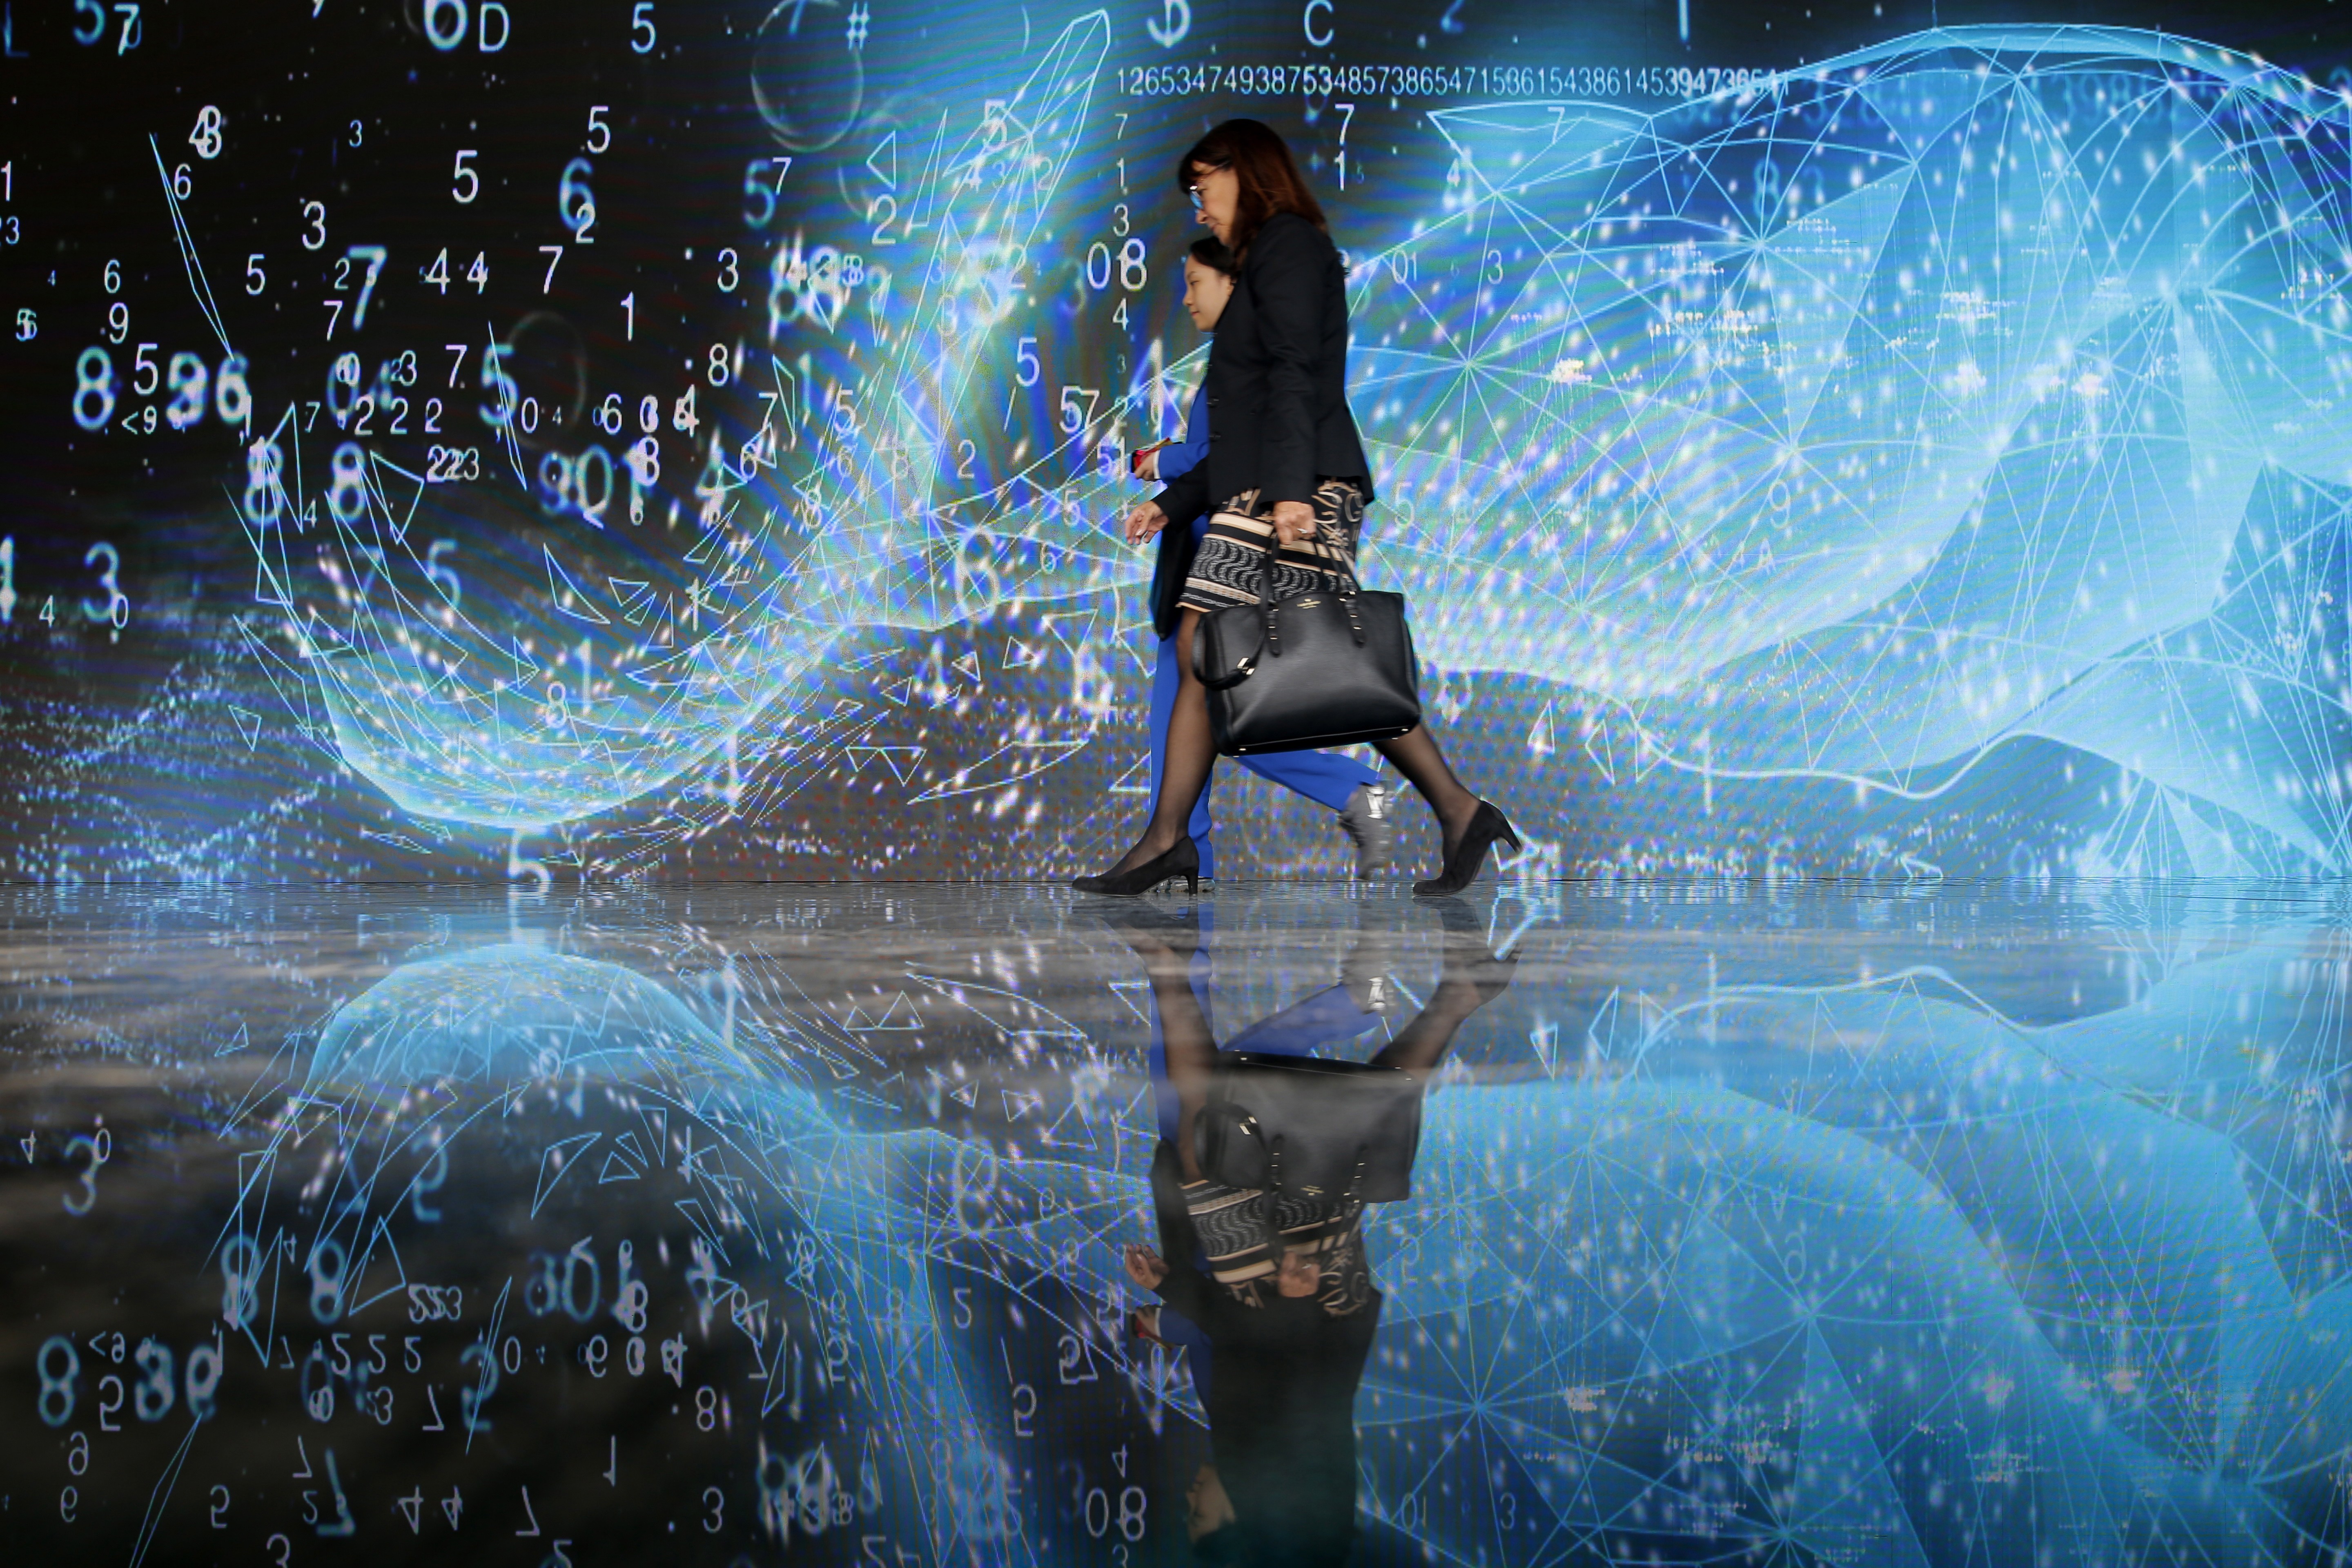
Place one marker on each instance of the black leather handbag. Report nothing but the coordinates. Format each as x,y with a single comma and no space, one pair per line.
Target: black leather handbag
1315,1129
1330,666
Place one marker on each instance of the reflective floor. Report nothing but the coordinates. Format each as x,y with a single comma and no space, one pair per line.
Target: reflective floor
1991,1226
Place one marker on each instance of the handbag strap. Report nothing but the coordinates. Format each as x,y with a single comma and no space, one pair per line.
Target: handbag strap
1266,601
1274,1179
1244,668
1344,571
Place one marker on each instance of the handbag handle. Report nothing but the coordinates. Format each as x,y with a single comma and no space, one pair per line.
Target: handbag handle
1243,669
1269,608
1346,573
1273,1167
1246,667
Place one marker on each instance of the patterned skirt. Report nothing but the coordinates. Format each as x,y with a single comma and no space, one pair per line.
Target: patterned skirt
1231,1224
1231,555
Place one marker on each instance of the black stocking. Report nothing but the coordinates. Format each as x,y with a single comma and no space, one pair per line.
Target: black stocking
1190,753
1184,768
1416,756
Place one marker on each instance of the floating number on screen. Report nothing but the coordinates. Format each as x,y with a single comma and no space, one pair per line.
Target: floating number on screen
116,612
151,1398
203,1380
188,382
232,399
93,378
264,500
240,1274
445,23
346,499
58,1388
206,137
575,204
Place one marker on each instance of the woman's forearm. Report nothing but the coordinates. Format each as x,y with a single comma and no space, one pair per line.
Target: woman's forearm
1185,497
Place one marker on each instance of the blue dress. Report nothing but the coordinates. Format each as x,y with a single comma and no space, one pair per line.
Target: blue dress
1326,778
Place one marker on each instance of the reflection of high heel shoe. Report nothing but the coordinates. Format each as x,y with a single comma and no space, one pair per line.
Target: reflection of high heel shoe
1467,959
1179,933
1470,853
1181,859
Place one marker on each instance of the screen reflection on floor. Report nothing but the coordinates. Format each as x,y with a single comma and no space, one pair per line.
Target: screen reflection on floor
1949,1226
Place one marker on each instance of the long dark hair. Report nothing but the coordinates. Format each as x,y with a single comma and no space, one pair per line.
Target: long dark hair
1211,252
1270,181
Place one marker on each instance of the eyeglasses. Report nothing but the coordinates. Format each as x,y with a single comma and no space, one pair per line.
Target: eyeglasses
1194,191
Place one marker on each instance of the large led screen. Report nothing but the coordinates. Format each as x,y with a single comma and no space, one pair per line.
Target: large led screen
489,439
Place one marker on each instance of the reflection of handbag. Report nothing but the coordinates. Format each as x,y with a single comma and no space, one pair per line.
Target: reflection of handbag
1318,1129
1328,667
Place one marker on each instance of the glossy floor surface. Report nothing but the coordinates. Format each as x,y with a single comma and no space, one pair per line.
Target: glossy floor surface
1991,1226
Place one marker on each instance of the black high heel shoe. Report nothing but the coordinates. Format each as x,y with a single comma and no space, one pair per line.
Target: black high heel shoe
1470,853
1182,860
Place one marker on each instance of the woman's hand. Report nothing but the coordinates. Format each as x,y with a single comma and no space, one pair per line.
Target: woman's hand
1145,521
1294,521
1147,466
1145,1267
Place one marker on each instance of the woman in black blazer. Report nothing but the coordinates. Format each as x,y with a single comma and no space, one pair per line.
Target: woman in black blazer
1284,467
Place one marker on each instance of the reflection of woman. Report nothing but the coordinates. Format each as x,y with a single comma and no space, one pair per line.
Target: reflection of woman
1330,779
1277,1285
1285,471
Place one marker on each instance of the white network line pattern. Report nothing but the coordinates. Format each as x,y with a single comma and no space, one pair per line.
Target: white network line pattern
1986,384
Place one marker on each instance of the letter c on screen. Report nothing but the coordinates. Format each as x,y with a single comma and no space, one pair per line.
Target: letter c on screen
1308,22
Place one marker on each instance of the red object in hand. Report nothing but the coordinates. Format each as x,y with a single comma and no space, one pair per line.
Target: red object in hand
1134,459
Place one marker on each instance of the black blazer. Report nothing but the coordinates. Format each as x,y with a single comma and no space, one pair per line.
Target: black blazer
1278,379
